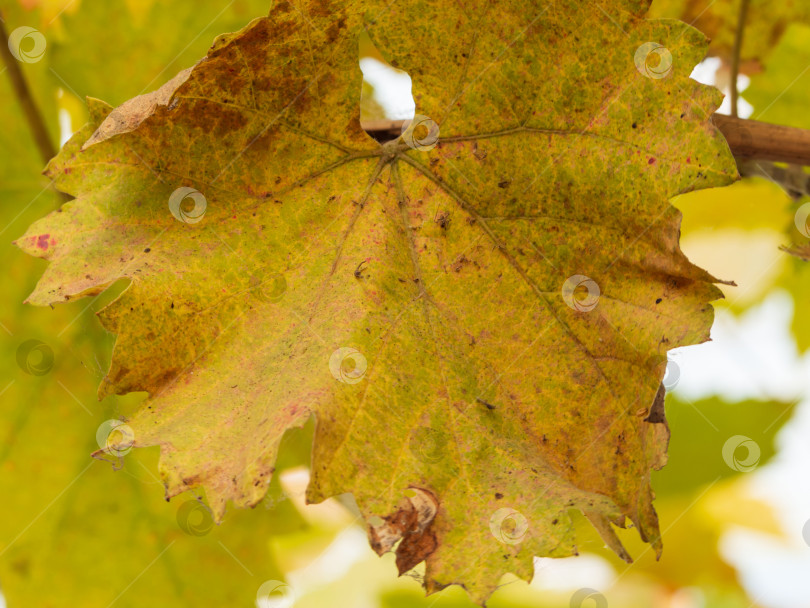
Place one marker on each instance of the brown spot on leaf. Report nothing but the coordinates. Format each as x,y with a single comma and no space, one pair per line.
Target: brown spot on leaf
459,264
42,241
443,219
412,523
657,414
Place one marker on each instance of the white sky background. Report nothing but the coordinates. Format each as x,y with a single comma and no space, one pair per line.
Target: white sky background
392,88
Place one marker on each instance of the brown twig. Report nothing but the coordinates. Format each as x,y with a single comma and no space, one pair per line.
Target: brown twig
32,114
754,140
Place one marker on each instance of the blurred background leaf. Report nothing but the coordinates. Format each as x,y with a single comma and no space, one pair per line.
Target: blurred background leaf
717,19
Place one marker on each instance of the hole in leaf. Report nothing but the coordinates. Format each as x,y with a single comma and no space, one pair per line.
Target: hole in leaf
386,102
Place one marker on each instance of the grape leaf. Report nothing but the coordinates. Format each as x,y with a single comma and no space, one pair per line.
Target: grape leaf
418,300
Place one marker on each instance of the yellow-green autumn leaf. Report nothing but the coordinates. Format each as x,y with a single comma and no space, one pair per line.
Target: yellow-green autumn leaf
418,300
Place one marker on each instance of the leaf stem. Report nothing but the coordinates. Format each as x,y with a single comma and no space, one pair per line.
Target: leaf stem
748,139
792,179
32,114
